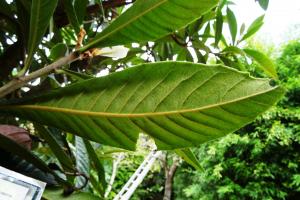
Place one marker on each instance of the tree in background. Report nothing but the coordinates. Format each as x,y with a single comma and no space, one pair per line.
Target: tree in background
261,161
288,71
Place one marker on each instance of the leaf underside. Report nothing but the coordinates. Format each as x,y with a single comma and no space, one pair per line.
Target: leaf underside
148,20
179,104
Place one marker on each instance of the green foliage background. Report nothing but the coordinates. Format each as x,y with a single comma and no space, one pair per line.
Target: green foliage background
261,161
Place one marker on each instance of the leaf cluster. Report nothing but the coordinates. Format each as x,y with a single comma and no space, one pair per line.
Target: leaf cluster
53,57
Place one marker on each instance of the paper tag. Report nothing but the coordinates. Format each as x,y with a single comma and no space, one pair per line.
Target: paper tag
12,191
15,186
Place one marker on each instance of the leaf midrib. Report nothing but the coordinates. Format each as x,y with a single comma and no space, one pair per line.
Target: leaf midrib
130,115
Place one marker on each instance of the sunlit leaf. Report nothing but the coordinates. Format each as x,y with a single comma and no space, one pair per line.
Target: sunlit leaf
264,62
232,24
234,49
254,27
242,29
149,20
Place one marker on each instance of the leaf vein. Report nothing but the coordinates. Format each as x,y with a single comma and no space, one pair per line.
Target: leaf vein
150,91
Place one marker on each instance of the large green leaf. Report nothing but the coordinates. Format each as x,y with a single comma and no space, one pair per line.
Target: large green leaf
41,13
179,104
148,20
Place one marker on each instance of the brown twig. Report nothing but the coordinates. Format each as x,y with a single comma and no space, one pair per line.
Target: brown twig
178,41
86,179
80,38
21,81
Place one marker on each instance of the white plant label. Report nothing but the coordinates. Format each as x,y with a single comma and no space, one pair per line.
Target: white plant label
15,186
12,191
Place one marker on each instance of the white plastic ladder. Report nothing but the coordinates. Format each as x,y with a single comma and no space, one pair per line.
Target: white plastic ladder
138,176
